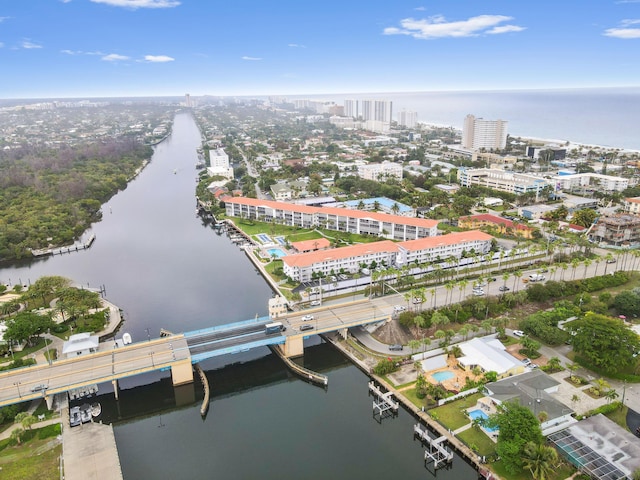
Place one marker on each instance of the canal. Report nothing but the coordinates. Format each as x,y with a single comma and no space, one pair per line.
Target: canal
167,269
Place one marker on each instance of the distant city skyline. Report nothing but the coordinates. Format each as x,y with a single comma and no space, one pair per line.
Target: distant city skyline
101,48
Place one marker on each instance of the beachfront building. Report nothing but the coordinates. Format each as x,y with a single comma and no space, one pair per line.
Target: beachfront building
478,133
620,229
591,181
392,227
380,171
407,119
499,224
502,180
431,249
301,267
632,205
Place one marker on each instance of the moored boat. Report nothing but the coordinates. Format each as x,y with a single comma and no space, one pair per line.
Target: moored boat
96,409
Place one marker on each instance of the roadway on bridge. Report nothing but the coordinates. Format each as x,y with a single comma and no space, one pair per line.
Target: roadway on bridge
110,363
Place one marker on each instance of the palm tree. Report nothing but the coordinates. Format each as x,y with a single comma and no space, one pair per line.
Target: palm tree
462,284
611,395
574,264
449,286
414,345
573,368
516,275
608,258
554,363
587,263
16,434
565,267
25,419
540,460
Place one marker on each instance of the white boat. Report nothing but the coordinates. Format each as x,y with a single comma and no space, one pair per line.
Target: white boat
126,339
96,409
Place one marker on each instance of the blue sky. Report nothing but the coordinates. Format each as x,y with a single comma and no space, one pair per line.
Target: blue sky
77,48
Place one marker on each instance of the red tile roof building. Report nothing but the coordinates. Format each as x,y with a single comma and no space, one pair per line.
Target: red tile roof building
392,227
300,267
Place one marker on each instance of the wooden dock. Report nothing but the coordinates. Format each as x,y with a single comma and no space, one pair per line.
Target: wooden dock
67,249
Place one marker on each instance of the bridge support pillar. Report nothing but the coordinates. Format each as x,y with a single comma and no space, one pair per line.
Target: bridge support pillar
293,347
49,400
343,332
182,372
115,389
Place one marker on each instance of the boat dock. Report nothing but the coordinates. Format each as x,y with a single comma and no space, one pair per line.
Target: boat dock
383,402
68,249
439,455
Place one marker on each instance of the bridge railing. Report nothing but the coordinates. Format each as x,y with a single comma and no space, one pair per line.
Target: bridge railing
228,326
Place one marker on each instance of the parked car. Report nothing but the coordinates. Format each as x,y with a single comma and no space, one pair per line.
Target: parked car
526,361
399,308
307,317
611,260
316,303
306,327
417,300
395,348
518,333
504,288
478,293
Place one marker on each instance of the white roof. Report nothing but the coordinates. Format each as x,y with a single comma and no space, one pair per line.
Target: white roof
489,354
80,342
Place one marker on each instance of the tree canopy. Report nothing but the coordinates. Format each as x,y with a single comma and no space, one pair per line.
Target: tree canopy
606,342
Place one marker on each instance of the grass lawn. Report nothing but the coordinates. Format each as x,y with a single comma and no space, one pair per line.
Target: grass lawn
35,460
451,415
620,417
478,441
561,472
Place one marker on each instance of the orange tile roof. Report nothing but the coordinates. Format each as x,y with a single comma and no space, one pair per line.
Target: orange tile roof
442,240
381,217
310,258
309,245
487,217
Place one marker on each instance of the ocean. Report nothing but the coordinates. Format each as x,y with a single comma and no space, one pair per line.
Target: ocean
608,117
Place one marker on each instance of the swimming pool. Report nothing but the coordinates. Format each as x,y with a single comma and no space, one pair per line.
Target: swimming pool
442,376
480,414
277,252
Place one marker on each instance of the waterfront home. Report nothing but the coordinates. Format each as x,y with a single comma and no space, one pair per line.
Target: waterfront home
80,344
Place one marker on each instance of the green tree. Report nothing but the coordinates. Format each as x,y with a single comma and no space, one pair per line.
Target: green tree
540,460
604,341
27,326
584,217
25,419
627,303
518,426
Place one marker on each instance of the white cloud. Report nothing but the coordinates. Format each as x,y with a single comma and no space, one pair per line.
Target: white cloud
158,58
2,19
438,27
252,59
505,29
624,31
134,4
30,45
420,9
114,57
296,45
80,52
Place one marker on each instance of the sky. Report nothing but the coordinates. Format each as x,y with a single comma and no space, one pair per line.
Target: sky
100,48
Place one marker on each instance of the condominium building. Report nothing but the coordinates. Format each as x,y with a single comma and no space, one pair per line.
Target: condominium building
351,109
301,267
430,249
478,133
380,171
341,219
595,181
378,110
620,229
632,205
219,162
407,119
502,180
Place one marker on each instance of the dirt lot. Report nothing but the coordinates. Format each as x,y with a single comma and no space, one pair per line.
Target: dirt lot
392,332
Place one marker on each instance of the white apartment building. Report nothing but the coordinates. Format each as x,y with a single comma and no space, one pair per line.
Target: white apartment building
378,110
600,182
351,108
218,158
383,225
301,267
632,205
407,119
343,122
380,171
502,180
478,133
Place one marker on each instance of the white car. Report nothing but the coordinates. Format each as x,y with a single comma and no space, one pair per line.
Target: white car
478,293
518,333
315,303
399,308
307,317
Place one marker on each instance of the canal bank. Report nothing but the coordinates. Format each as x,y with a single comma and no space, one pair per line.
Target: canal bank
423,417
